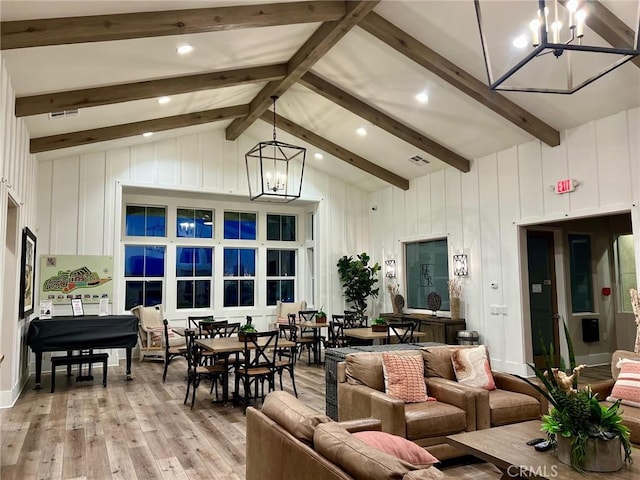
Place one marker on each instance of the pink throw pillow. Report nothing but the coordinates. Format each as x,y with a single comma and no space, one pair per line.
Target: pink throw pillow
471,366
404,377
399,447
627,386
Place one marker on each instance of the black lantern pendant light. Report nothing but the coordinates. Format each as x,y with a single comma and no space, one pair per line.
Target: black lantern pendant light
275,169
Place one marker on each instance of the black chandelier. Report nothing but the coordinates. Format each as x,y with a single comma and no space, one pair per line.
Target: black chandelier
561,54
275,169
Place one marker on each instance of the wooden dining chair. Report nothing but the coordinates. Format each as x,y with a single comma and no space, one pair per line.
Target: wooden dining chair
336,338
194,320
300,341
258,367
403,332
171,351
287,332
196,370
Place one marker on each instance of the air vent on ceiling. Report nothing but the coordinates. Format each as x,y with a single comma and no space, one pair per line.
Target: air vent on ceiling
418,160
64,114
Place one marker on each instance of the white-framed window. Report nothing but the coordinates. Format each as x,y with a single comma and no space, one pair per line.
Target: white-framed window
144,272
426,266
194,277
281,276
239,277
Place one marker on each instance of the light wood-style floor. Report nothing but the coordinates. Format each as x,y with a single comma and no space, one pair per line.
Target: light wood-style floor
140,429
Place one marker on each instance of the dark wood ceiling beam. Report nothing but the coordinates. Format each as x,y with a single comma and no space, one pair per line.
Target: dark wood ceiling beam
336,150
384,121
101,28
93,97
74,139
613,30
322,40
454,75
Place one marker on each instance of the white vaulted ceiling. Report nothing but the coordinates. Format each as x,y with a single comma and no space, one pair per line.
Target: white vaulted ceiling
359,64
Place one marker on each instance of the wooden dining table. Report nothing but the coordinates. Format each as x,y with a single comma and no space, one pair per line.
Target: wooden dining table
227,346
366,333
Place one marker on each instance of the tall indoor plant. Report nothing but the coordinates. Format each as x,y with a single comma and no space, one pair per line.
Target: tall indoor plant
358,279
578,425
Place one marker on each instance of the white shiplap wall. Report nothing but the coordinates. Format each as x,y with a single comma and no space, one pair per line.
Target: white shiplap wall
481,212
80,201
17,192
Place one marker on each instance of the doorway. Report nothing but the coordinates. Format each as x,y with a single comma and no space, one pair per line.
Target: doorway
543,296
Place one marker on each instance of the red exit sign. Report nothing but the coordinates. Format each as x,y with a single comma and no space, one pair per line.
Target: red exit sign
565,186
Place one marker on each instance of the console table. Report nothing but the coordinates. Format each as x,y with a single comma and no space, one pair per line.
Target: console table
438,329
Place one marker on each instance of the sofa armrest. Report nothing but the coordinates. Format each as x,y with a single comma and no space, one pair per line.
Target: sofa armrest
458,397
361,424
390,411
354,401
603,388
506,381
431,473
481,396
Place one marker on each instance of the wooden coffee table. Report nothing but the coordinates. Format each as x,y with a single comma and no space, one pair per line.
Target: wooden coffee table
506,448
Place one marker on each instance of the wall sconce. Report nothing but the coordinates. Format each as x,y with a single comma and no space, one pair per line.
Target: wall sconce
390,268
460,268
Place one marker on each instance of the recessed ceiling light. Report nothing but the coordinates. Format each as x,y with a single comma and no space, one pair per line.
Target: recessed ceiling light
184,49
520,42
422,97
147,134
164,100
318,156
361,131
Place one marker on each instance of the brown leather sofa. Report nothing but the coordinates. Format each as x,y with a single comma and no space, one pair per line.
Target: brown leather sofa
630,415
459,408
286,439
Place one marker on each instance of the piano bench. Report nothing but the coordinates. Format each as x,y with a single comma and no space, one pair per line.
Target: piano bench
77,360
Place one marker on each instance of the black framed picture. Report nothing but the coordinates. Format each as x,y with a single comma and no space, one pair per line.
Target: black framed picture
27,273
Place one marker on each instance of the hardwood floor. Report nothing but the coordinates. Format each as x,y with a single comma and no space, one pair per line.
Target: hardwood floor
140,429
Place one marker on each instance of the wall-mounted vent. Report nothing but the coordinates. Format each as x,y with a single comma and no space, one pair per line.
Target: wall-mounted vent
418,160
64,114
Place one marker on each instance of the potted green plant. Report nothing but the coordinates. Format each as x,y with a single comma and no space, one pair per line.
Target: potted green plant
585,433
358,279
321,316
244,330
379,325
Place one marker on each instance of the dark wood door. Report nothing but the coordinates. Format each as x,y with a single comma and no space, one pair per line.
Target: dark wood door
542,295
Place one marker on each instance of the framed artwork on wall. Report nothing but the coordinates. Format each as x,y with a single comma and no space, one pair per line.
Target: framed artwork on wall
27,273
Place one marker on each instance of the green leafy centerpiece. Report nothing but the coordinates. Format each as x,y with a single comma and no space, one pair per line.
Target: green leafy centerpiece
246,329
586,434
379,325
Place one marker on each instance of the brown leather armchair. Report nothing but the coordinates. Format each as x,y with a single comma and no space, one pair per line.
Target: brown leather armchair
512,401
361,394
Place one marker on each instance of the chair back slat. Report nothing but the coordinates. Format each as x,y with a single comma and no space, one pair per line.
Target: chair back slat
261,354
212,329
194,320
403,332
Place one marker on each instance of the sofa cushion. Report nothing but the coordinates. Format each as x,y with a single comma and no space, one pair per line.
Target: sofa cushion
358,459
432,419
471,367
627,386
619,355
365,368
437,362
293,415
404,377
511,407
398,447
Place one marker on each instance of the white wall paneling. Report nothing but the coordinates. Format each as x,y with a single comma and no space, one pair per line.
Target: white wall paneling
481,213
18,184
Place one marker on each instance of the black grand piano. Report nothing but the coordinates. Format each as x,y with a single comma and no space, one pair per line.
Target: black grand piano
82,333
